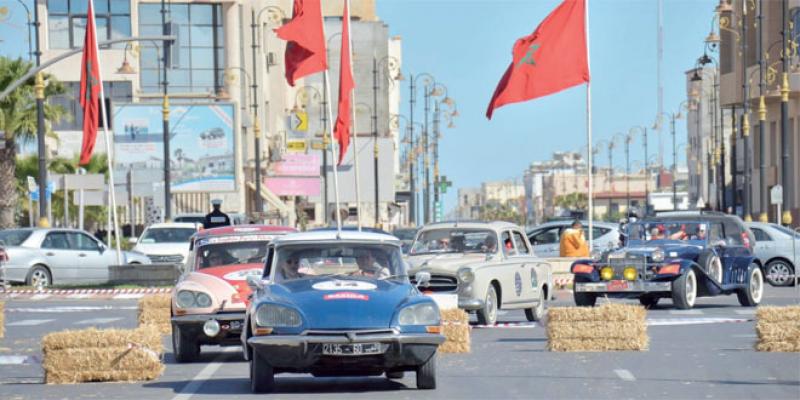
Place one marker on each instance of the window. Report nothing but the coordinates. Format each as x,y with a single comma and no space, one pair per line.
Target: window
519,242
508,247
716,232
70,100
83,242
56,241
761,236
548,236
197,64
67,21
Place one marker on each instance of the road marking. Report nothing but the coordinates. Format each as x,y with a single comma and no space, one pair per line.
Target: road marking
191,388
80,296
691,321
505,325
68,309
13,360
625,375
129,296
749,311
40,296
686,312
30,322
97,321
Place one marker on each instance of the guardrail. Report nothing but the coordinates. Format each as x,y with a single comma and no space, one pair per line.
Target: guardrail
144,274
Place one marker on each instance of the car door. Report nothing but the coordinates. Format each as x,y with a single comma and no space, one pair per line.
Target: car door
530,273
736,254
61,256
765,244
545,241
507,269
94,259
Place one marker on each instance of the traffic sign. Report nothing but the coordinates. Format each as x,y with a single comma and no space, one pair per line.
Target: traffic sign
296,146
776,195
299,121
437,211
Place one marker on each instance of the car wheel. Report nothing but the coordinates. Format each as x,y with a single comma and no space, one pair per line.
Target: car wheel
779,273
584,299
262,376
184,349
426,374
488,314
395,374
39,276
712,266
684,290
751,295
536,313
648,301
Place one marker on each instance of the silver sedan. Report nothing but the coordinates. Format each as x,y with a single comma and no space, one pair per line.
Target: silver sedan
778,248
43,256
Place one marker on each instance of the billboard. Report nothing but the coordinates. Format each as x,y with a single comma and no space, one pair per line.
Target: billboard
201,144
295,175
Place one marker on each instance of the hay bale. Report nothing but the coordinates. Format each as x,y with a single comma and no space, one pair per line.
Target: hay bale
93,355
455,328
2,320
610,327
778,329
156,310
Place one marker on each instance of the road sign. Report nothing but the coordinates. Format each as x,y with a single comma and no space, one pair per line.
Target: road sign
437,211
299,121
776,195
317,145
296,146
444,184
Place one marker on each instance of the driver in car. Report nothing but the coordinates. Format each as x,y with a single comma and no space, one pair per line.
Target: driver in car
290,268
368,266
217,257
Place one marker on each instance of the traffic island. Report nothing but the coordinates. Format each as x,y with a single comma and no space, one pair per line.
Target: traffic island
778,329
109,355
154,310
455,328
610,327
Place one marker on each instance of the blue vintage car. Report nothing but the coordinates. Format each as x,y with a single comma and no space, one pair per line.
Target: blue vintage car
681,256
339,304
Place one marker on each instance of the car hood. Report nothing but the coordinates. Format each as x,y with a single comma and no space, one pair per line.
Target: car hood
445,262
162,249
671,250
328,303
226,283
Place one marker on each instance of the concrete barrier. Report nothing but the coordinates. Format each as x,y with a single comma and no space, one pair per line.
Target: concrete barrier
144,274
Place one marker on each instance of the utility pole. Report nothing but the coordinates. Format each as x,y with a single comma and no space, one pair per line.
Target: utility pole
256,124
412,211
375,135
786,218
436,183
165,114
425,160
40,128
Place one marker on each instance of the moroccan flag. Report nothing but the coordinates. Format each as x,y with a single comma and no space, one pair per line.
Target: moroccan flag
90,88
341,132
550,60
305,52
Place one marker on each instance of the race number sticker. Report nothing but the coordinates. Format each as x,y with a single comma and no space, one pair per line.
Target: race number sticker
517,283
346,296
344,285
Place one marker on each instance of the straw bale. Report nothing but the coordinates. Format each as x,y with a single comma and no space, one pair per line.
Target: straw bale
778,346
778,313
455,328
596,330
88,338
777,331
606,312
156,310
778,328
2,320
606,344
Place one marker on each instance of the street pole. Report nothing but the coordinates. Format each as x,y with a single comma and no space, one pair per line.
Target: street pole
325,143
674,166
610,175
436,182
165,113
646,176
425,159
627,174
412,211
786,217
40,128
734,164
762,120
375,134
748,193
256,125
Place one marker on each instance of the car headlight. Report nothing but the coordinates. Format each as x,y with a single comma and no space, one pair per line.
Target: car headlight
191,299
272,315
465,275
419,314
658,255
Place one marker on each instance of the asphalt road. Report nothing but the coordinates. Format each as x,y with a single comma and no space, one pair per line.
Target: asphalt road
704,353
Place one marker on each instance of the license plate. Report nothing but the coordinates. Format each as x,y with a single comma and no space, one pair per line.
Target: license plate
617,285
355,349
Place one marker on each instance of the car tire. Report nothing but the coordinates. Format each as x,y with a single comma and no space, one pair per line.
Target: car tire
37,274
648,301
779,273
684,290
262,376
751,295
426,374
487,315
712,266
183,348
536,313
584,299
395,374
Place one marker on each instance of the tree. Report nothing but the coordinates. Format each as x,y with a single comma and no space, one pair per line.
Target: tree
501,212
573,201
18,121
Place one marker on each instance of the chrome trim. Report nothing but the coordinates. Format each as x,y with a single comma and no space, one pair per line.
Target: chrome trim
470,304
633,286
205,317
301,340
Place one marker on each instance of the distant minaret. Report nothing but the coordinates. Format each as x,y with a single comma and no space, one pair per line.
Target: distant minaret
660,94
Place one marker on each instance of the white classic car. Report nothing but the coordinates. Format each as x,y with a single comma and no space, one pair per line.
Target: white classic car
490,265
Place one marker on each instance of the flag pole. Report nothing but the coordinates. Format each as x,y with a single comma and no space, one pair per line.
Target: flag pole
334,153
109,153
353,112
589,133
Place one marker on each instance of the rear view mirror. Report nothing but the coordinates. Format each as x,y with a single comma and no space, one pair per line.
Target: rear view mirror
254,281
133,240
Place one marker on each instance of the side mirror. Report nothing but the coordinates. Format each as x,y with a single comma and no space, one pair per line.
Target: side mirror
254,281
133,240
423,278
101,248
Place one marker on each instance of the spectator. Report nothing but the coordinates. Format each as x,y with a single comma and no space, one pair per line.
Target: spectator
573,242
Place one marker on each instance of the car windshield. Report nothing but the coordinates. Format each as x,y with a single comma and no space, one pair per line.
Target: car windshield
219,251
405,234
376,261
197,219
455,240
786,231
167,235
14,237
654,230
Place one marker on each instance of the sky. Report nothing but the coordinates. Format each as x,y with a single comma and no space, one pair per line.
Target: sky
466,45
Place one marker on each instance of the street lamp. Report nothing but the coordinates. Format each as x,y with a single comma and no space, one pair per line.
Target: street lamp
428,79
643,131
672,117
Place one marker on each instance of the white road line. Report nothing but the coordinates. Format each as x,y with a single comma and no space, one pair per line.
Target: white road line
691,321
97,321
13,360
686,312
30,322
191,388
40,296
129,296
625,375
64,309
80,296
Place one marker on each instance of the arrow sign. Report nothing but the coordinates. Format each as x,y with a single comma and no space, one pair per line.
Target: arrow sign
299,121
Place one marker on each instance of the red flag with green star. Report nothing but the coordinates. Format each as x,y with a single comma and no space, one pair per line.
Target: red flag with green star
90,88
551,59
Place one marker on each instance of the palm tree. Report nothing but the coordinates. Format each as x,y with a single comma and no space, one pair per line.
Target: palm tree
18,121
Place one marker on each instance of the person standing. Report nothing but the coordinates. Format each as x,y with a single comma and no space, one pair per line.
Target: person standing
216,218
573,242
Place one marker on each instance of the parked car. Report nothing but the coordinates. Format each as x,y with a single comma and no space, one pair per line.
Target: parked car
406,236
546,238
44,256
335,304
166,243
209,300
490,265
778,248
680,256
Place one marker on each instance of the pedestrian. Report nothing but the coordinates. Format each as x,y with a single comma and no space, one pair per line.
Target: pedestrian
573,242
216,218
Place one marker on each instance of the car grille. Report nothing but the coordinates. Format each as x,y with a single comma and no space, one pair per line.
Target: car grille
638,261
346,333
168,259
439,283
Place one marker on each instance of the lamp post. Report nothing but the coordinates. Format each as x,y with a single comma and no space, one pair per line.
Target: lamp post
40,128
165,47
672,117
643,131
786,218
28,15
762,118
412,100
628,140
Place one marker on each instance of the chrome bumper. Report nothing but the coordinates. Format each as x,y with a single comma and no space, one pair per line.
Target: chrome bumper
304,340
632,287
470,304
201,318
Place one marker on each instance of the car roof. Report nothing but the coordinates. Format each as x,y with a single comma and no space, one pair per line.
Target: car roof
602,224
496,225
244,230
333,235
175,225
351,228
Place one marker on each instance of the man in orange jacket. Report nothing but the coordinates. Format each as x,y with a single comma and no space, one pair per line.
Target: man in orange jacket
573,242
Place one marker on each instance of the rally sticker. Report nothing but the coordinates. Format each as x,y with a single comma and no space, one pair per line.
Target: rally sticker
346,285
242,274
346,296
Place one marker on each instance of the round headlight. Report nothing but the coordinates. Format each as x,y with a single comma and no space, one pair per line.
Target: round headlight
203,300
657,255
606,273
211,328
630,274
465,275
186,299
419,314
277,316
407,317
